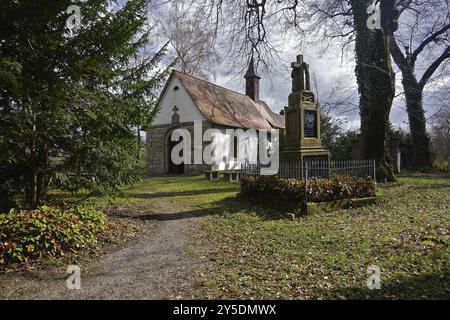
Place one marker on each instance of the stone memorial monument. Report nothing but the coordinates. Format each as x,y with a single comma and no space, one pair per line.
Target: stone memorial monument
302,138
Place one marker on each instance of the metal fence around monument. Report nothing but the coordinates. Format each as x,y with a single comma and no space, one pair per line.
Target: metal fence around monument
318,169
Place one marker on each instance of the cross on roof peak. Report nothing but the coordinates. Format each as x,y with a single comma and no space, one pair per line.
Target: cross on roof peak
175,109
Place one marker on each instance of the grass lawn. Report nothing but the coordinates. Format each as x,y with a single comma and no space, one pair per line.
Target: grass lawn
253,256
149,192
250,253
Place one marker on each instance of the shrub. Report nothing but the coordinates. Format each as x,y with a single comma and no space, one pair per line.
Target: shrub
272,190
48,232
441,165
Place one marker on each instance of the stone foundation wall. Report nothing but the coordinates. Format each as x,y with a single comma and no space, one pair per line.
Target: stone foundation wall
157,148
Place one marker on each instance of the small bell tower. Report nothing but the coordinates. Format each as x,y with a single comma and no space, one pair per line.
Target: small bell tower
252,82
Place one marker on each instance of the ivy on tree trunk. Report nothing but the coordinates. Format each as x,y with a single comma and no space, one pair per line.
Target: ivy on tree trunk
417,123
421,153
376,84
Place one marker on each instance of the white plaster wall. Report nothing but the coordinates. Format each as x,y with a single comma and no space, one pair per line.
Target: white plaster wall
187,110
248,147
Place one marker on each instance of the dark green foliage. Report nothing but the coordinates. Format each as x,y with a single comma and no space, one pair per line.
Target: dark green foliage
70,106
440,133
271,190
403,139
48,232
341,187
342,146
330,130
441,165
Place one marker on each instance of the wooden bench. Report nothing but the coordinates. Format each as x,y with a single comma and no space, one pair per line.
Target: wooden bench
212,175
232,176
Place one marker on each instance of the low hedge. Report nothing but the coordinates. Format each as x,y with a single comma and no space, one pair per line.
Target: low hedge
441,165
48,232
272,190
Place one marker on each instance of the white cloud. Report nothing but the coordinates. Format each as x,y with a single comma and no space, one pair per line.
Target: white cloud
331,69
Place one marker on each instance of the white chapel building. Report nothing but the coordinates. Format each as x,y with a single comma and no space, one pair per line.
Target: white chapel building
186,99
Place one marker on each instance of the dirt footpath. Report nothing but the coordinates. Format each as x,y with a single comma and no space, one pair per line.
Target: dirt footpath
157,266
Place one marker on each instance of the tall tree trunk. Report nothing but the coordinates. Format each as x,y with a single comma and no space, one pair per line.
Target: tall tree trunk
139,142
421,157
43,175
376,88
417,124
38,177
31,192
38,173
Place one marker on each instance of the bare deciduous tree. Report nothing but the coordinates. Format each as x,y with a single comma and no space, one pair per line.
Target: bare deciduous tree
192,38
253,25
420,49
424,34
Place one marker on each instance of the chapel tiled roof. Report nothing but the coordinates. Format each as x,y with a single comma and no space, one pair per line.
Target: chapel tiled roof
227,107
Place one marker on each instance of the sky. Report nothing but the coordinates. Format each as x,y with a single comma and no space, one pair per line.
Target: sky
333,80
331,71
328,71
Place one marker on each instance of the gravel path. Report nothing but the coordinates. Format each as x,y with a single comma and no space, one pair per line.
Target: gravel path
155,267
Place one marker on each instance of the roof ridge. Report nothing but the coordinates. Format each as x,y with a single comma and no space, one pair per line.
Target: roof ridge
233,109
212,83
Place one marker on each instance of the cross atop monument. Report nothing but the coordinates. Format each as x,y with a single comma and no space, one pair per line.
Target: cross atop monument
300,75
298,63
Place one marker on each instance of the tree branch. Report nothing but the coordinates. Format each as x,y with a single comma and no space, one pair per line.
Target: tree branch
431,38
398,55
404,4
432,68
